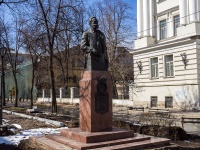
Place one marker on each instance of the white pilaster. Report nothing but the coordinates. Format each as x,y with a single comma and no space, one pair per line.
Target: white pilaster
158,30
152,13
183,12
72,92
140,18
171,27
61,94
193,10
146,17
43,94
198,10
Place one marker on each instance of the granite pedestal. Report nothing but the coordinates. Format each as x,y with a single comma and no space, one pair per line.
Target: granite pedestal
95,116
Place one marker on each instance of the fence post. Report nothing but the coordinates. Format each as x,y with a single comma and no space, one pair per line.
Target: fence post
43,94
72,93
61,94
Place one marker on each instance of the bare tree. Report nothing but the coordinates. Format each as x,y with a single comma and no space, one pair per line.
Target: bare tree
116,23
50,20
73,22
7,46
3,52
13,48
30,44
7,2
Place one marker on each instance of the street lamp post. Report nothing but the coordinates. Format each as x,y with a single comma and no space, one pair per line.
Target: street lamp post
2,100
3,76
1,107
2,97
1,104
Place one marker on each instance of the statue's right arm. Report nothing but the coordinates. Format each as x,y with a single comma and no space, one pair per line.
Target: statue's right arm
84,43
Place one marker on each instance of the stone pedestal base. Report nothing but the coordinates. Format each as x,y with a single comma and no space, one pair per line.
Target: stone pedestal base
69,139
95,101
94,137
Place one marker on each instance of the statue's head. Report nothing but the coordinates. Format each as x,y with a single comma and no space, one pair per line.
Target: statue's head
93,22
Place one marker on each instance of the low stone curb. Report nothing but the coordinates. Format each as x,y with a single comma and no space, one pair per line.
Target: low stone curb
56,123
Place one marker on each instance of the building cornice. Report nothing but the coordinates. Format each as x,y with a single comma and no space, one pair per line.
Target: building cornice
167,11
171,43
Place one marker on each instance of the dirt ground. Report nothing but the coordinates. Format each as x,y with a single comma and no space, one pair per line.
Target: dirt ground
69,115
26,123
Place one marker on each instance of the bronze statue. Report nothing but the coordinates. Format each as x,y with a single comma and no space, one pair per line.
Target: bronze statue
93,44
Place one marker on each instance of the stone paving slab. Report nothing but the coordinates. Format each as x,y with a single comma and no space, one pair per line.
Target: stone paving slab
48,144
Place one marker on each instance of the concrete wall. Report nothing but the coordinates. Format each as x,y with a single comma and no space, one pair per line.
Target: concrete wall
184,97
123,102
183,86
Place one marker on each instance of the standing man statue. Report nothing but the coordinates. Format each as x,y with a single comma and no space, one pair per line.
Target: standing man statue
93,44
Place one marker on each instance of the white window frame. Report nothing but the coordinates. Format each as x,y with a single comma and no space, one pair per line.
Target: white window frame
156,97
163,36
167,97
176,23
156,68
170,64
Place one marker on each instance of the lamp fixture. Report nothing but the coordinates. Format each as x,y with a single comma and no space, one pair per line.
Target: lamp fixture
140,67
184,59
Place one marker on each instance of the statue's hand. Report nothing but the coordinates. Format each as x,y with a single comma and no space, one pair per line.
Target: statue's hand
94,51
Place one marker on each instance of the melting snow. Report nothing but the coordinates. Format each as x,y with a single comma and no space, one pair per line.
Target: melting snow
15,139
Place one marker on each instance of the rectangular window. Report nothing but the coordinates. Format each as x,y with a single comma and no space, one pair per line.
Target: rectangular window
176,24
169,66
163,29
168,102
154,67
154,101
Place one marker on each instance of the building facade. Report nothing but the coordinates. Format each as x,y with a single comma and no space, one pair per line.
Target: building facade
167,54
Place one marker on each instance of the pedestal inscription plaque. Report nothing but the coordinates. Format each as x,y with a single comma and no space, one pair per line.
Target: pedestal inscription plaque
101,97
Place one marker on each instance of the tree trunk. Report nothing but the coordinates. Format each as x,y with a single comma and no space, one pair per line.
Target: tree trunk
53,101
32,84
3,81
16,91
114,86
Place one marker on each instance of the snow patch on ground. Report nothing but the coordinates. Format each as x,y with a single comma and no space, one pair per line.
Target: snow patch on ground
15,139
16,126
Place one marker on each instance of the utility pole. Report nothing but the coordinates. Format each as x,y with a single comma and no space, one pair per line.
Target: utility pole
1,106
